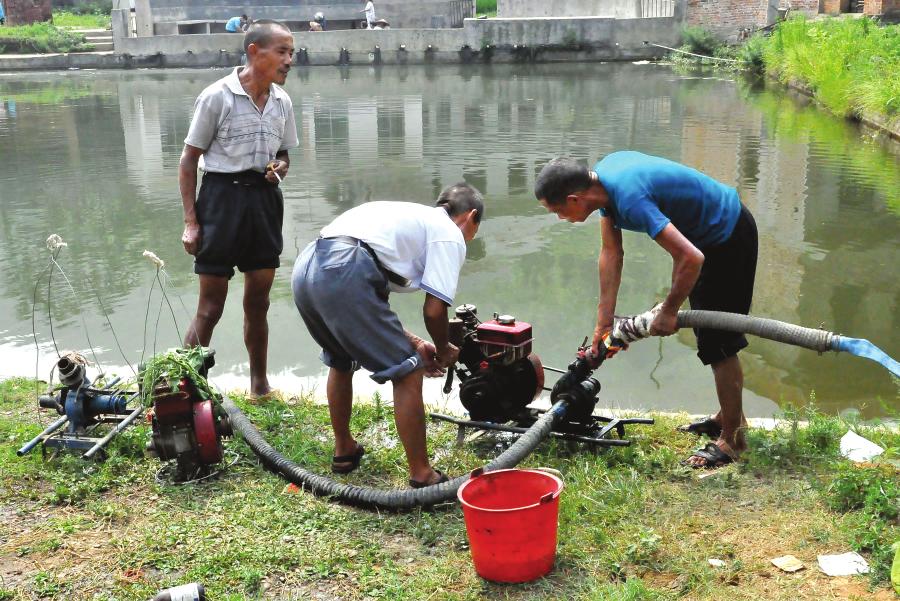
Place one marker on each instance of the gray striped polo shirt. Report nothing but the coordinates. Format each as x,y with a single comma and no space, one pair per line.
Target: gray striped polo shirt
233,133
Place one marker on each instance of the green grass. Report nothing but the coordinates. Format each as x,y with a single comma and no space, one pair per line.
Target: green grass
851,65
64,18
486,7
634,524
40,38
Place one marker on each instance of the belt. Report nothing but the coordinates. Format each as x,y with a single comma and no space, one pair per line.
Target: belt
243,178
394,278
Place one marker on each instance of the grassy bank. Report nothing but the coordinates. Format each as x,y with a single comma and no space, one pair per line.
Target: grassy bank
40,38
82,20
851,66
633,523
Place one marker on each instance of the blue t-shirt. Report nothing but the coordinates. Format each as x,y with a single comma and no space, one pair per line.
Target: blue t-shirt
646,193
233,24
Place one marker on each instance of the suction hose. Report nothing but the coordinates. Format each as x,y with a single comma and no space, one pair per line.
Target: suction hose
633,328
397,500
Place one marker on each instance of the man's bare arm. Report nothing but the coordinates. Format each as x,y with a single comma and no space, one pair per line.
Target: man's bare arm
610,272
687,260
434,312
187,183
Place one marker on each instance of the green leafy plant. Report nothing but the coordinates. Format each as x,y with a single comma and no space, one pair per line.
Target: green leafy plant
698,40
174,366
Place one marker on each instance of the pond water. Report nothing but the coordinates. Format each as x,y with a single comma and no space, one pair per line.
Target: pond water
92,156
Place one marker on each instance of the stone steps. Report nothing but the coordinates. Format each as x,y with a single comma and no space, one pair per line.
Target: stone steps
100,39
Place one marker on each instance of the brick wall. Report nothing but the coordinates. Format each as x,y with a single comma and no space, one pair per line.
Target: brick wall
726,18
835,7
23,12
882,7
810,7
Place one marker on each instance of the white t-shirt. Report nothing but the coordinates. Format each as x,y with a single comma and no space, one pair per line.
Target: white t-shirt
415,241
370,11
234,133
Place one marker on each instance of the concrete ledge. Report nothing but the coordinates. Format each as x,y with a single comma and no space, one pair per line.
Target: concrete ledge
572,39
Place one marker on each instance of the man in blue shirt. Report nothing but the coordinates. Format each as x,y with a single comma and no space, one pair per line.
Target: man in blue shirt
2,14
237,24
713,242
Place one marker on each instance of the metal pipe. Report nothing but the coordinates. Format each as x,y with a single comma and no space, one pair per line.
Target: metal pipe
121,426
609,442
47,431
712,58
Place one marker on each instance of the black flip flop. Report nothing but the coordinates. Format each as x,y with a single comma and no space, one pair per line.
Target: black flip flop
417,484
712,455
351,461
704,427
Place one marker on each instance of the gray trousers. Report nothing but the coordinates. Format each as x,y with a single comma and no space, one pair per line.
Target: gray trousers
342,297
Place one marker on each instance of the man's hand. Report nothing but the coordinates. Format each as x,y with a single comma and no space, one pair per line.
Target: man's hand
191,238
277,166
428,353
447,356
665,323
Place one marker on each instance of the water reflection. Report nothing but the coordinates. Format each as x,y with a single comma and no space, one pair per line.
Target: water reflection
93,156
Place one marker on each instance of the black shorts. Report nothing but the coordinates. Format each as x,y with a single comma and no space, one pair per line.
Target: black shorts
240,216
726,284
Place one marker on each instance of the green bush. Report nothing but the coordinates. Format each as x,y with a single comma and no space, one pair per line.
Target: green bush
700,41
97,7
40,38
485,6
751,54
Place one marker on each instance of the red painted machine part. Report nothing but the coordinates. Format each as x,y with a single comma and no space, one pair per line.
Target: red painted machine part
208,446
539,372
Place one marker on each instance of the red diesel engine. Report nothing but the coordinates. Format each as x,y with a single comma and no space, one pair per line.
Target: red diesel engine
188,425
501,376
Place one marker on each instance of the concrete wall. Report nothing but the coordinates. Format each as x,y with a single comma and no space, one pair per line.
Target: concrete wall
399,13
625,9
480,40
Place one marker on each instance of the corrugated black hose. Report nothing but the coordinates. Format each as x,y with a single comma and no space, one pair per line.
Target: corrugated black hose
397,500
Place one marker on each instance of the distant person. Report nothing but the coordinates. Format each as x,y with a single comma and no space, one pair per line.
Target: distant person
2,14
370,14
237,24
314,26
240,133
320,19
381,24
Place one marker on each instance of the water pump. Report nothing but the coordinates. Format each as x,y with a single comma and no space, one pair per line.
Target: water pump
188,422
500,376
84,409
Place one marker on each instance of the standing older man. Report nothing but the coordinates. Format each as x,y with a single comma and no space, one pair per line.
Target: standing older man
240,133
712,240
341,283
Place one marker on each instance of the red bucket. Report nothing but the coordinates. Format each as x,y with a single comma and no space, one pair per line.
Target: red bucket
511,519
